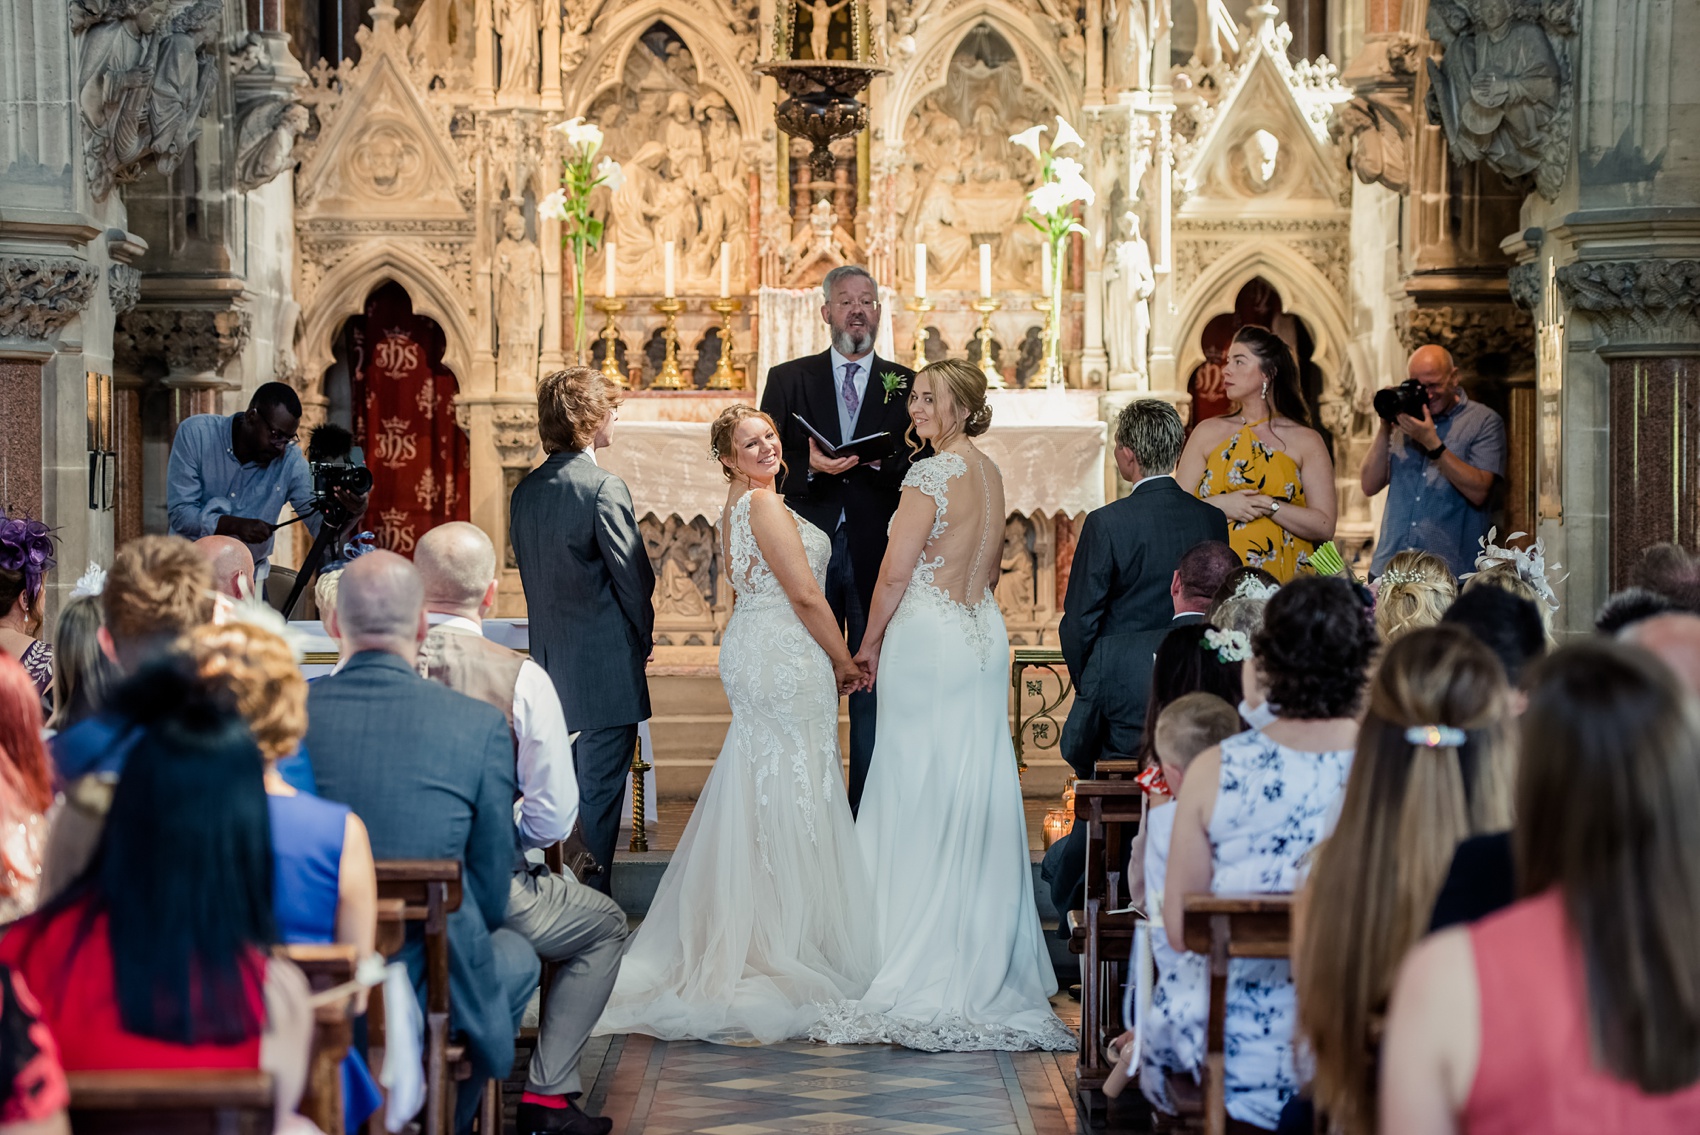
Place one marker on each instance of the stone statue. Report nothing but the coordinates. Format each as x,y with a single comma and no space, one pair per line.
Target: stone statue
115,76
1127,46
518,28
1377,136
1015,589
182,82
940,226
820,23
1127,309
519,303
265,141
683,139
1495,91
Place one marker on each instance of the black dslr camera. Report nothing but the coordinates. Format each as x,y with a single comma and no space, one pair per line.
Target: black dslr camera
1408,397
336,463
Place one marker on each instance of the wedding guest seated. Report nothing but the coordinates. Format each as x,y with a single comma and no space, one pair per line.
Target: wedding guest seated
83,676
157,956
232,565
1506,577
33,1091
26,556
157,590
431,773
1508,625
26,791
1433,766
1575,1008
1251,809
1629,606
1669,570
324,886
1238,603
1413,592
1674,638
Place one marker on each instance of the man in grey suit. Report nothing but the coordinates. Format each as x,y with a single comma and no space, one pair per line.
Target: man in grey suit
589,588
1124,564
431,773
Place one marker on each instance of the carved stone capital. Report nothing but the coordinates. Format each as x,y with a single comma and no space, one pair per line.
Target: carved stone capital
1469,331
1525,283
1641,305
123,287
39,295
185,345
1377,121
515,433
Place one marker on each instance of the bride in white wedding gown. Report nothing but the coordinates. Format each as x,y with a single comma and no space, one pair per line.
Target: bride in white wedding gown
941,826
761,917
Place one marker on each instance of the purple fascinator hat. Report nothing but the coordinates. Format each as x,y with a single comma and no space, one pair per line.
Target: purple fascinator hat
26,547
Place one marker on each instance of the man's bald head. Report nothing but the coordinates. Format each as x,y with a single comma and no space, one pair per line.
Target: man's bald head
380,605
232,565
1675,638
457,564
1432,366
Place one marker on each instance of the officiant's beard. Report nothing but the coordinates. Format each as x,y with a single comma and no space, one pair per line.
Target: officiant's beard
848,343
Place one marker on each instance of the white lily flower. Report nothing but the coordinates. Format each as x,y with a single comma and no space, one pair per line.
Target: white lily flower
1066,135
1077,188
1028,140
554,205
1065,168
1048,198
568,126
589,136
611,174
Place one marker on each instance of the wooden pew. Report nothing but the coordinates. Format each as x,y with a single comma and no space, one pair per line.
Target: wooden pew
1111,811
325,967
211,1102
1116,768
1225,927
430,890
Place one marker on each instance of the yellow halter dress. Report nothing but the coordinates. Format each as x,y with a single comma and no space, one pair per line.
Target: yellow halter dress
1244,462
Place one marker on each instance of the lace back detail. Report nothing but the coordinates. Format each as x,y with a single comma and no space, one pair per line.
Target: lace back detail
938,579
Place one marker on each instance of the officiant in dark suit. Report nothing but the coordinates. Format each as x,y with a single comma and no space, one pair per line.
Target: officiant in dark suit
1119,585
845,392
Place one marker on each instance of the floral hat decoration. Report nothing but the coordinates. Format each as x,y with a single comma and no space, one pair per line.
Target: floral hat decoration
26,547
1530,564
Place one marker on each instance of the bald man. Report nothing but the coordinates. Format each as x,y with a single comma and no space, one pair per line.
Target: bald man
1440,469
1675,638
431,772
232,565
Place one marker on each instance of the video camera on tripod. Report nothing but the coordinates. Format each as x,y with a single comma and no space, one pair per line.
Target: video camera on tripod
336,464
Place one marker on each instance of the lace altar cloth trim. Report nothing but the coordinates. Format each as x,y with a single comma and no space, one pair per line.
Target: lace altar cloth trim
1048,467
843,1023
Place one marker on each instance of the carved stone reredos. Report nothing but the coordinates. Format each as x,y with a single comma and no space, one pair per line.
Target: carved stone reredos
39,295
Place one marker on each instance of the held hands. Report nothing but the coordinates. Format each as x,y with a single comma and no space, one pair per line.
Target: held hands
868,658
848,675
1244,506
821,463
1420,430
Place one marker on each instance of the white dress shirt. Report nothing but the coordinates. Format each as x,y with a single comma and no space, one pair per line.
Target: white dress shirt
548,782
1153,477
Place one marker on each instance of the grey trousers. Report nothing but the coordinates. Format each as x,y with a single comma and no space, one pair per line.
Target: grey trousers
568,922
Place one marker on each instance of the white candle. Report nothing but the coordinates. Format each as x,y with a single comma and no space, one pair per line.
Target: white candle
920,271
608,259
986,271
1045,268
667,268
725,269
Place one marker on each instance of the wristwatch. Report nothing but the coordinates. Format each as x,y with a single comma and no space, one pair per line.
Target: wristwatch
1432,454
1274,507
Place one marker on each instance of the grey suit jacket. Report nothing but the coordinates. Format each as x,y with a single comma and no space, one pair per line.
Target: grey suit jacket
589,588
431,773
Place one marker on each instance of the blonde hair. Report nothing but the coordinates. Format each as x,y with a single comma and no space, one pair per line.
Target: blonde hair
720,435
1413,592
572,404
1407,807
1503,575
158,586
1191,724
259,670
966,385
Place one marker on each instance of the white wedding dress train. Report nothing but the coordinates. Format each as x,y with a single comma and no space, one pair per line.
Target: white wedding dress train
942,826
761,917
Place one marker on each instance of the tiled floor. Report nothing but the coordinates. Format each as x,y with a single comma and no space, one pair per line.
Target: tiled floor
652,1087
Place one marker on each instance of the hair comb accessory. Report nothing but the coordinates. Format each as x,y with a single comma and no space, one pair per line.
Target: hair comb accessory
91,583
1230,646
1529,563
1435,736
1393,577
1252,587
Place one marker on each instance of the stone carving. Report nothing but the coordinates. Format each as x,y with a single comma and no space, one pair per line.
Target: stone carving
515,432
517,26
190,343
1016,593
265,140
1127,46
683,555
147,70
1376,123
1499,91
123,287
519,302
39,295
1128,304
1470,331
1638,302
1525,284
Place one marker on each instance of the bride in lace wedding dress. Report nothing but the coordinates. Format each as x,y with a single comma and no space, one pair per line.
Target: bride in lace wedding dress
941,826
761,917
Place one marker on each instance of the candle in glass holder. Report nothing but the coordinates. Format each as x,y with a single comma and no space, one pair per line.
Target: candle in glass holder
986,271
725,269
920,271
1045,267
667,269
608,270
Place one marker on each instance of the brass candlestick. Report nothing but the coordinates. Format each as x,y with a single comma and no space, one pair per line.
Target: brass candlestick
920,306
724,377
670,378
1049,367
640,824
611,341
988,367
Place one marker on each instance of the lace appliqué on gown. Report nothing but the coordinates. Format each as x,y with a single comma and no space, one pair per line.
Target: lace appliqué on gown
843,1024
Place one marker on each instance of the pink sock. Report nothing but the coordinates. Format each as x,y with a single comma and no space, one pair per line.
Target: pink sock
542,1100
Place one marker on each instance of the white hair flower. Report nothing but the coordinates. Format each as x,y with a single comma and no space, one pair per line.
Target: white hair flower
1230,646
1066,135
1028,140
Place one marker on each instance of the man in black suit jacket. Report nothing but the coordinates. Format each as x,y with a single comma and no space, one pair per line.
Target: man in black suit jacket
589,588
1124,566
842,393
431,773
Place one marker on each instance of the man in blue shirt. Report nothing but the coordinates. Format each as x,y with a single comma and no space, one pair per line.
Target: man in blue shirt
1440,469
229,476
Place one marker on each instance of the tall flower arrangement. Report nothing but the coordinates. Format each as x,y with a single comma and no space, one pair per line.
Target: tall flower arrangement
1051,211
581,174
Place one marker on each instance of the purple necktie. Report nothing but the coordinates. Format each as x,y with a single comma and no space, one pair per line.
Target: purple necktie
851,402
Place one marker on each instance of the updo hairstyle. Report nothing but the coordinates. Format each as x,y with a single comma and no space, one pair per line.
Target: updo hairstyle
720,436
966,384
1414,592
1315,648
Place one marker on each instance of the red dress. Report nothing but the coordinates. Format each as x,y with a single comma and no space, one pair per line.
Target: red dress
1536,1073
78,997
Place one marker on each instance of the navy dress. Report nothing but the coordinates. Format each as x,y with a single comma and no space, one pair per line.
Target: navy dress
306,861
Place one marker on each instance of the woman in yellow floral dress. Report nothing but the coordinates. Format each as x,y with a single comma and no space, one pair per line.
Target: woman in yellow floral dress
1262,464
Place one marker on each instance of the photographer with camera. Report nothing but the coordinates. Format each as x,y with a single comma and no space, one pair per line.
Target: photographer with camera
230,476
1439,453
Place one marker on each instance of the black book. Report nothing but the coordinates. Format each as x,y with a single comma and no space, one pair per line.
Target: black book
871,447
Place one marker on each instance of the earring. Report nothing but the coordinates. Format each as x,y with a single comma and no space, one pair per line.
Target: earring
1266,390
